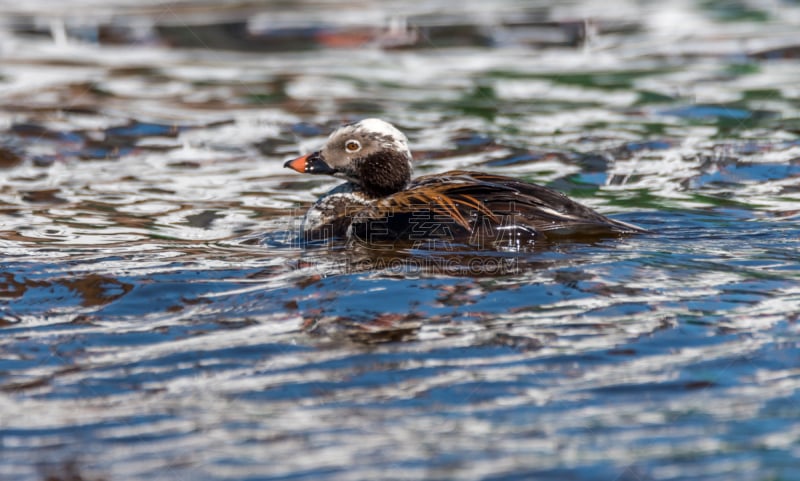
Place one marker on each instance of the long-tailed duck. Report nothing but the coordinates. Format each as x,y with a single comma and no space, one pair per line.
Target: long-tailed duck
380,202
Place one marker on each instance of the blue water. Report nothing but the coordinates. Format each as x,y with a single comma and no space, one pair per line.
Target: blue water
160,320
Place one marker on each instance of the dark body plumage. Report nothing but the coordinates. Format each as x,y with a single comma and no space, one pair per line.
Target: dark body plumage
478,209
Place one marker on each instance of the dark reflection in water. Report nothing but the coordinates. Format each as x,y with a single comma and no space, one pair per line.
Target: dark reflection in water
160,320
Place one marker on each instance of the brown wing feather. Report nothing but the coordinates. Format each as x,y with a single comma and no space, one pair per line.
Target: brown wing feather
539,207
469,197
441,198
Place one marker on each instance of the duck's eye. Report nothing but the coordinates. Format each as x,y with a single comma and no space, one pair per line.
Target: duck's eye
352,146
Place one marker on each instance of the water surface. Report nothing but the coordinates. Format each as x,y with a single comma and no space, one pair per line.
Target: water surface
159,320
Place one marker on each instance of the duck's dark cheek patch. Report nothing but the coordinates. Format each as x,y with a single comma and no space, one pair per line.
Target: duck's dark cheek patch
384,173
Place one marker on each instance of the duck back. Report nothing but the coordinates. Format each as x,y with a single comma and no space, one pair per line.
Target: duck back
480,210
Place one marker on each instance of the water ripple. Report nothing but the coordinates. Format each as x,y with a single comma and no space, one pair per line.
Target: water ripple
162,319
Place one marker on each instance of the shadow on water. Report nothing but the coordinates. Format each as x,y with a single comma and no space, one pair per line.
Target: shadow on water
159,319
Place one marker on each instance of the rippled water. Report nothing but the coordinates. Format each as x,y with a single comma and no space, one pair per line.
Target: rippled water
158,319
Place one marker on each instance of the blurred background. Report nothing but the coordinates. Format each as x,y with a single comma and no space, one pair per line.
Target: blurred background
159,319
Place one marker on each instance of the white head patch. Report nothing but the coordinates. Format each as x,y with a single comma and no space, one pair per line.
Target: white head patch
391,137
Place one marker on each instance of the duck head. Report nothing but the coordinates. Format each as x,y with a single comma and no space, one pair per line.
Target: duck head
370,153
